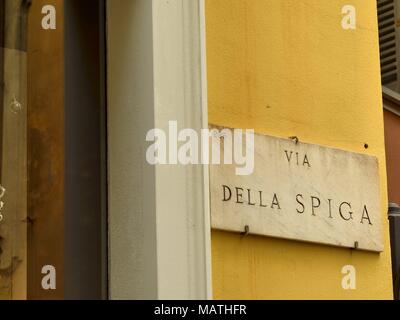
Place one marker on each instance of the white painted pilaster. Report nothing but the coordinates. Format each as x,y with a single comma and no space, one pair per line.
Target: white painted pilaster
159,223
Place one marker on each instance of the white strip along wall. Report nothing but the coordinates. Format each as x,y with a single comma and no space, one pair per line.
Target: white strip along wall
159,221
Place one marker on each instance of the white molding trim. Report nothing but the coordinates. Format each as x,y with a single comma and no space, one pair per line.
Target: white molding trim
393,97
159,216
206,172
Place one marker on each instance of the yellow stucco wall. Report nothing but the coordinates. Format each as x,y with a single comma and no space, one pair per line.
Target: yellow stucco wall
288,68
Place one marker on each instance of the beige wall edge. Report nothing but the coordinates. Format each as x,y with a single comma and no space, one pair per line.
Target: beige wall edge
159,228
